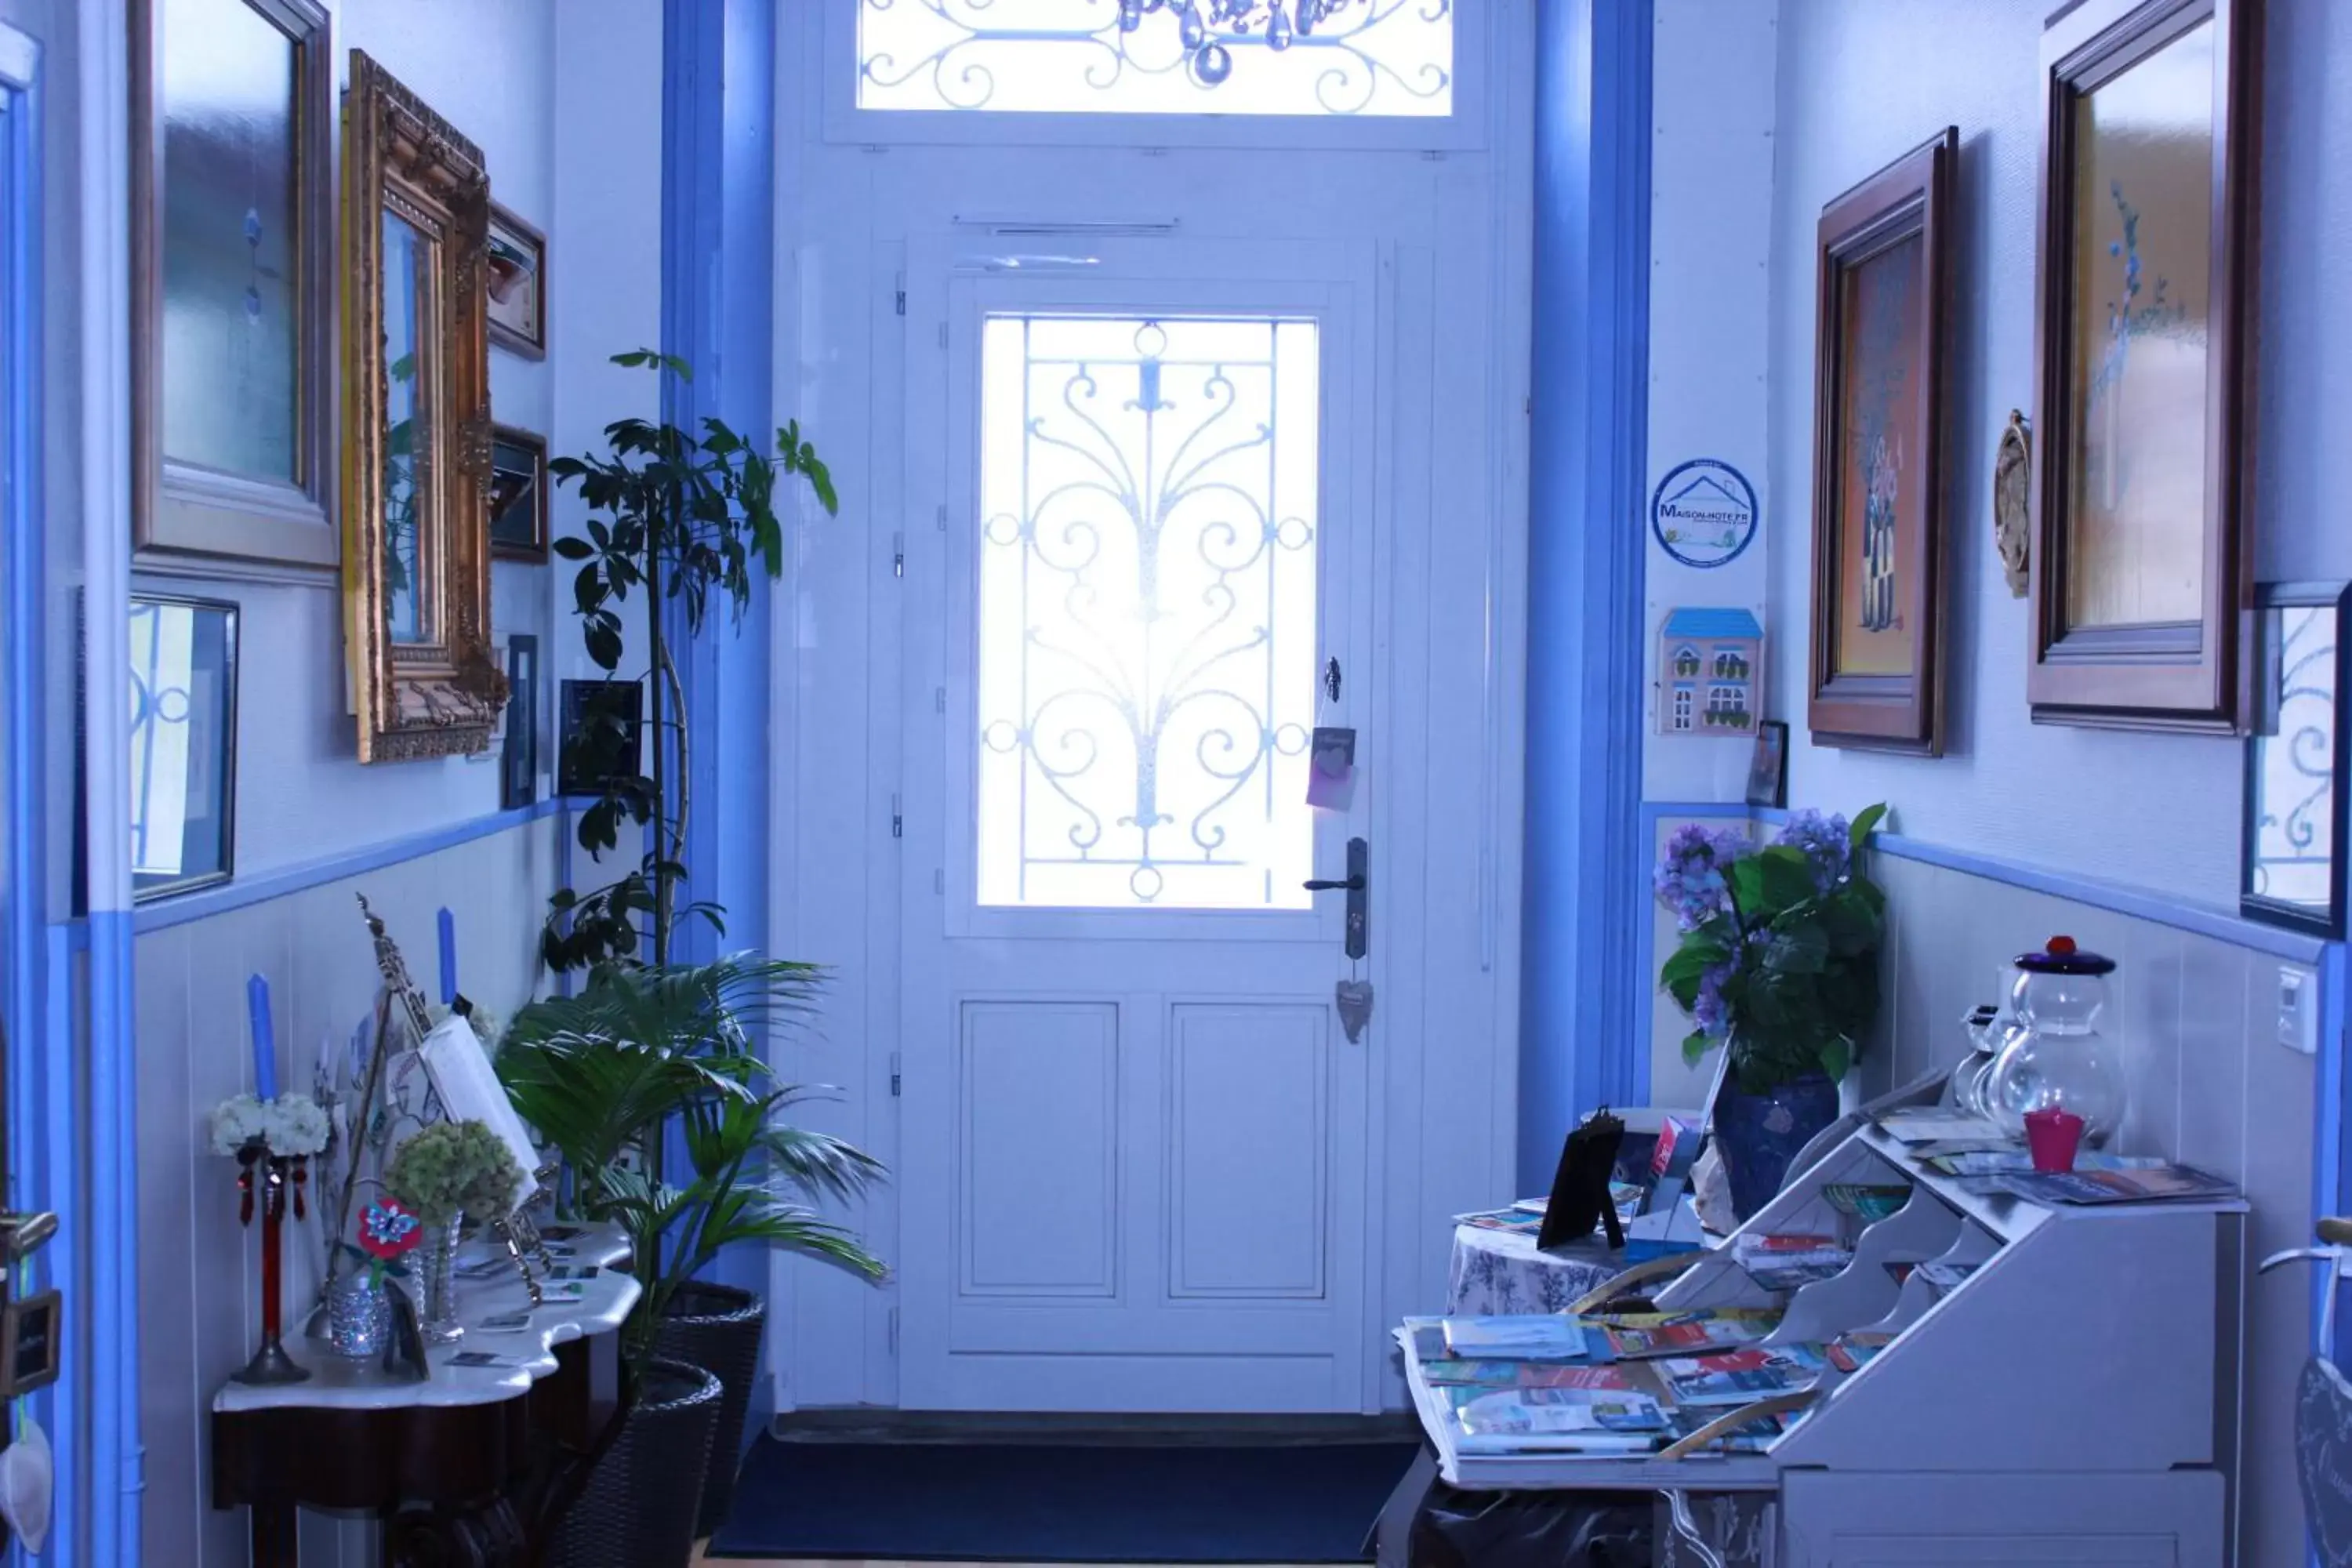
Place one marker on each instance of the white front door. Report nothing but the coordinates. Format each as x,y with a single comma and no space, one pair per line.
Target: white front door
1134,1161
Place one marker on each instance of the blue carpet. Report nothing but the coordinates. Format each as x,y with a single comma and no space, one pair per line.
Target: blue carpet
1061,1503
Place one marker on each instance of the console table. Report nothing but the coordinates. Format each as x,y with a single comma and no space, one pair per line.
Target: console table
468,1466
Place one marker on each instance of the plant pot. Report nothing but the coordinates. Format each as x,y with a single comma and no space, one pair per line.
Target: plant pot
638,1507
1758,1134
717,1328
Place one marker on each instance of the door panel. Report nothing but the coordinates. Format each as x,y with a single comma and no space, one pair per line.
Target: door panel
1147,1157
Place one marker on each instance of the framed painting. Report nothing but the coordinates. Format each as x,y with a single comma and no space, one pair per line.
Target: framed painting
2296,757
518,494
232,217
2143,467
183,744
517,285
416,405
1876,665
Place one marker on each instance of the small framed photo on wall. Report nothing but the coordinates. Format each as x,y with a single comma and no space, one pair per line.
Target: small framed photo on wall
183,744
2296,800
1877,667
2143,467
518,494
517,285
1767,770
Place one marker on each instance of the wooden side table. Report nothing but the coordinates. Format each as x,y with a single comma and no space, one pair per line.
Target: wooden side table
470,1466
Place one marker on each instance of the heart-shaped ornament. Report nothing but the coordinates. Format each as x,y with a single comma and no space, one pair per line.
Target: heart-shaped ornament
27,1481
1354,1000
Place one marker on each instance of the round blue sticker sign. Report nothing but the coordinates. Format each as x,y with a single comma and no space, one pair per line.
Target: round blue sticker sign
1704,512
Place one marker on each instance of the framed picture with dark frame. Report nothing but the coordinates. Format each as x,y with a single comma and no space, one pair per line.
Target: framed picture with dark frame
1876,662
233,439
183,744
602,735
518,759
2143,469
518,494
518,268
1768,769
2296,801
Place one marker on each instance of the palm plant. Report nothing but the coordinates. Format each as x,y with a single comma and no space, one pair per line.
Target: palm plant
602,1074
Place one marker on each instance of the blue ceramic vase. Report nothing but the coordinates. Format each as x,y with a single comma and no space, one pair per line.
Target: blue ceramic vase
1758,1134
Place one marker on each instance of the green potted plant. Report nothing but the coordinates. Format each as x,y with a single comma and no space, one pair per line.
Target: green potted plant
1777,966
601,1075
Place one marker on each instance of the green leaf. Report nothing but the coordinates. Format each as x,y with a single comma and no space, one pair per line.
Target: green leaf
573,549
1799,948
1695,1045
1697,955
1837,1055
1771,880
1867,824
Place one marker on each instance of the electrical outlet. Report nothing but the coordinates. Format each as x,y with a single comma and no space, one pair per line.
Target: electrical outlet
2298,1010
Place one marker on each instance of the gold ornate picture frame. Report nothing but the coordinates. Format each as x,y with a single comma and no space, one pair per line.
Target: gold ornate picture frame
416,407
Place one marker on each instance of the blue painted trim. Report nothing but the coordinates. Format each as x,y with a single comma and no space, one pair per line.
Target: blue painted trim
277,884
54,1169
1586,557
1646,960
114,1239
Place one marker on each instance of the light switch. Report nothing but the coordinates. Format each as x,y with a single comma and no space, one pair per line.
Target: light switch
2298,1010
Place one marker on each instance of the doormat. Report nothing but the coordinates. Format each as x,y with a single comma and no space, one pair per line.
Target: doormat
1030,1503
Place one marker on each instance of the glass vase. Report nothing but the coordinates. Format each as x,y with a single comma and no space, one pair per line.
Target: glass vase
359,1316
436,1305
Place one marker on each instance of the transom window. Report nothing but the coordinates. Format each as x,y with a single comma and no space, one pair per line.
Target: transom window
1370,59
1146,611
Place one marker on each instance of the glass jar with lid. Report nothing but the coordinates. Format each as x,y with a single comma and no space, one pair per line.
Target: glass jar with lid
2055,1055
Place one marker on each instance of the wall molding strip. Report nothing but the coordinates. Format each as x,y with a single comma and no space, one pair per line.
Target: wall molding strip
288,879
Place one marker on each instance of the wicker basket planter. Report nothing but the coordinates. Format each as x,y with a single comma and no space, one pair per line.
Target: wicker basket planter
639,1506
717,1328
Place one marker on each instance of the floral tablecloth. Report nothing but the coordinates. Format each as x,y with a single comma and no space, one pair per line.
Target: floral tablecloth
1497,1273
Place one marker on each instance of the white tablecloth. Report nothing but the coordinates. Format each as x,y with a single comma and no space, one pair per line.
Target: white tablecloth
1497,1273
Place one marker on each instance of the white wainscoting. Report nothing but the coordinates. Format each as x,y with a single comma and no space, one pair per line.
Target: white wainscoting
199,1285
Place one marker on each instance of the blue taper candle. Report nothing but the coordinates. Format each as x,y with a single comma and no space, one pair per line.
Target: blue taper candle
448,923
265,1039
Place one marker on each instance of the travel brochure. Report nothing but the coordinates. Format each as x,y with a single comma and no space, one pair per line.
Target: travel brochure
1855,1349
2155,1184
1788,1262
1608,1407
1542,1337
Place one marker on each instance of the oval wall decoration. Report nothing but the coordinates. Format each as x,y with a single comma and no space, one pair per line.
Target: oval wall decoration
1702,513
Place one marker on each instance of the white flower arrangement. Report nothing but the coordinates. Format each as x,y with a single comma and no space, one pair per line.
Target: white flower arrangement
294,1125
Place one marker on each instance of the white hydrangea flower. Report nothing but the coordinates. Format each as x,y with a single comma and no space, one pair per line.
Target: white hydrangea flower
293,1125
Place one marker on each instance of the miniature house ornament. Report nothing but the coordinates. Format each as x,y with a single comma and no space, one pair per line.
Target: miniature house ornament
1710,672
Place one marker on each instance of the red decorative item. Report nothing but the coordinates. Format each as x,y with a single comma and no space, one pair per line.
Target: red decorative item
2053,1135
270,1363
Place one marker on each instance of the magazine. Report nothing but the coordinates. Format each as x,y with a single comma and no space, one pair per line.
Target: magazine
1594,1420
2159,1183
1788,1261
1456,1373
1748,1438
1856,1347
1506,1220
1688,1334
1548,1336
1741,1376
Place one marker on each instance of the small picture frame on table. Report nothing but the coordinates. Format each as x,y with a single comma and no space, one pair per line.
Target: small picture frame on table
1768,769
2292,871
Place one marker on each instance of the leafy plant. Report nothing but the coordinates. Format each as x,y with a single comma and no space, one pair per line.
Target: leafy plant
600,1075
452,1166
1779,954
674,517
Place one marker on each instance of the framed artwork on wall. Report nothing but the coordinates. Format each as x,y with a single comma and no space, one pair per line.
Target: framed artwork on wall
233,222
183,744
416,401
518,494
601,737
1876,662
1767,770
518,759
517,285
2297,756
2143,466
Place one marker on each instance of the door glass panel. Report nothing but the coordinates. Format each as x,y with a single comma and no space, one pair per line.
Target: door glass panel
1368,59
1146,611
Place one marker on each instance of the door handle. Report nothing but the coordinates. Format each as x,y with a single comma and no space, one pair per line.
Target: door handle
1360,857
21,1234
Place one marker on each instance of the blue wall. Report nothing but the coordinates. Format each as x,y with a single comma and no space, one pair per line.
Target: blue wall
1582,1033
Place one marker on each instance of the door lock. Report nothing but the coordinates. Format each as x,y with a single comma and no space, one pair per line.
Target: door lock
1359,857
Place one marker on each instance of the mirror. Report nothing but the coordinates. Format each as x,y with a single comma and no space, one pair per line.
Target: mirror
426,681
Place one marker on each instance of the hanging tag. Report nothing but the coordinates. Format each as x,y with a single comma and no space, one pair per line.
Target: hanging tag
1354,1000
1331,769
27,1483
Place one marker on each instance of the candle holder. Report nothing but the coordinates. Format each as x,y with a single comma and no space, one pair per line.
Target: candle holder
276,1176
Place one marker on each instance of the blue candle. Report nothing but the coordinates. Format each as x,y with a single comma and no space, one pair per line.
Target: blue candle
265,1039
448,959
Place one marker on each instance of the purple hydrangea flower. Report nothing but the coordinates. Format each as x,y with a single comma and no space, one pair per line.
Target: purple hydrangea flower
1711,1014
1689,879
1826,842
